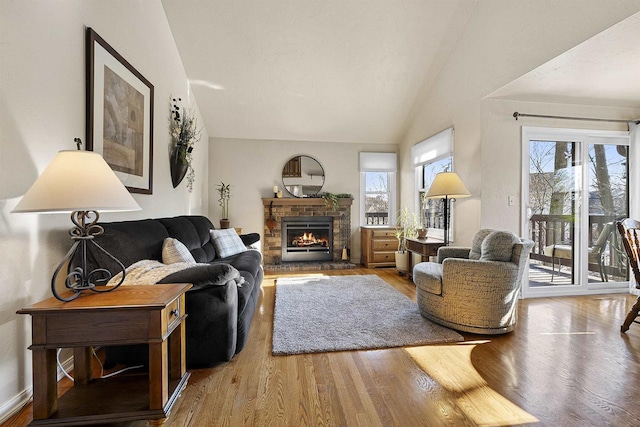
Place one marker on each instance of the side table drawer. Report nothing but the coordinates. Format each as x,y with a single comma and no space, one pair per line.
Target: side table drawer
173,312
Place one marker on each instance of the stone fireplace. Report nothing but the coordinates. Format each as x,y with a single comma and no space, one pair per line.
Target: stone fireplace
303,212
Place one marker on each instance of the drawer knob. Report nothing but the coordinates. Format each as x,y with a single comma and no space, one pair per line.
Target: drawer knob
175,312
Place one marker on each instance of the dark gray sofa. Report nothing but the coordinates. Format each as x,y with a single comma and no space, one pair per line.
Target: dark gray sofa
219,311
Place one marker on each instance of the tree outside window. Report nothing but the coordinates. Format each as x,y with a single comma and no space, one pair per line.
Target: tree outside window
432,210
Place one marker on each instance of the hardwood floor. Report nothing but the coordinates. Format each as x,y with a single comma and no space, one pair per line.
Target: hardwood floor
565,364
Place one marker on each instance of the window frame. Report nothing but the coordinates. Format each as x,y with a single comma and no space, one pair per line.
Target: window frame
379,162
391,184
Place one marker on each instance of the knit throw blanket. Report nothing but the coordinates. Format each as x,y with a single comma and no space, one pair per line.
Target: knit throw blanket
148,272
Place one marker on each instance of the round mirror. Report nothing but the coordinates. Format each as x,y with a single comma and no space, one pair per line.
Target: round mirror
303,176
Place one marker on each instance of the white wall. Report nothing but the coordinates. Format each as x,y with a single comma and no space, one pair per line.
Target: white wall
42,108
504,132
253,167
502,41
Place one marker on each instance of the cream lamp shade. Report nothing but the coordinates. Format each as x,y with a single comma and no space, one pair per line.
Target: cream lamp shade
77,180
447,184
82,183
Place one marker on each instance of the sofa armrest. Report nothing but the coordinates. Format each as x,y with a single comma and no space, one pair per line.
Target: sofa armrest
212,309
445,252
205,275
250,239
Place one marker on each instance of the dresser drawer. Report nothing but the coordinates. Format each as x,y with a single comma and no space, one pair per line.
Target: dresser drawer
384,245
384,257
383,234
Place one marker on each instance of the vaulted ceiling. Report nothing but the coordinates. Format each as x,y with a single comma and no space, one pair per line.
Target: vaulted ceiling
313,70
603,70
356,71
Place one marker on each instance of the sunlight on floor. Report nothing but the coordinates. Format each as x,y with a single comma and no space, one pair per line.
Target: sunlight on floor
451,367
294,279
568,333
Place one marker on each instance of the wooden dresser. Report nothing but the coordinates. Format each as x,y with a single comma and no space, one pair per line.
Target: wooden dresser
378,245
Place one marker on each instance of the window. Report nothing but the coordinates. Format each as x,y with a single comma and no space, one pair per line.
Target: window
377,188
432,210
430,157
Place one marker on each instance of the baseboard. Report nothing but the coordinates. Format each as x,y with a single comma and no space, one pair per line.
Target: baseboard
13,406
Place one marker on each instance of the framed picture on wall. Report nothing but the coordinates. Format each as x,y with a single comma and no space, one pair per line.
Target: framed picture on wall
119,114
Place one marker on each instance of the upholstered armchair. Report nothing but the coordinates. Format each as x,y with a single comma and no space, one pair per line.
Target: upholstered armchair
475,289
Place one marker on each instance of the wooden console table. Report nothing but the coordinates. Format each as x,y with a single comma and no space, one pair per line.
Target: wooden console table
151,314
426,247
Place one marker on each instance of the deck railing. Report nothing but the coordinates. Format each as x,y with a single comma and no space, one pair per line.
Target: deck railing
548,230
377,218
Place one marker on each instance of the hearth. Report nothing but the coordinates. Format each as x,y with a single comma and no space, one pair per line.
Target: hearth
307,238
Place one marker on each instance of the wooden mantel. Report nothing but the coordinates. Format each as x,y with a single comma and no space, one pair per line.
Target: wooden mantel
306,201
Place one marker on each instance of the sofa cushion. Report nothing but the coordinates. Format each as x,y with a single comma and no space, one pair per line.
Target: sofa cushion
476,243
498,246
174,251
203,227
184,230
128,241
227,242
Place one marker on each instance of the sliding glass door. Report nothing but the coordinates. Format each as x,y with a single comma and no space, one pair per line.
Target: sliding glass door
575,185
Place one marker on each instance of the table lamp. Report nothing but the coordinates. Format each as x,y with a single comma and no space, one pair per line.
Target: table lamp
80,182
447,186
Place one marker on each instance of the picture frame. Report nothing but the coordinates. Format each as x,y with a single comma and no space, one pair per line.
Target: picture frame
119,122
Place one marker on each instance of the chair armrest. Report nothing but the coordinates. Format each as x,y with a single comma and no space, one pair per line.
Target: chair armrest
445,252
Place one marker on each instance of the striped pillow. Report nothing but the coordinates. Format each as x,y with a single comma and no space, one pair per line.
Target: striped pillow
173,250
227,242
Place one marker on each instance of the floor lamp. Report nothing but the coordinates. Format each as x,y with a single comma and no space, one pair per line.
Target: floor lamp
82,183
447,186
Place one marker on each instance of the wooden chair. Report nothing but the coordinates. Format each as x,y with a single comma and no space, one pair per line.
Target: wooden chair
629,229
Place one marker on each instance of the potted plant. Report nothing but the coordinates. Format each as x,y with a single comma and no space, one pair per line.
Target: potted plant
224,192
408,224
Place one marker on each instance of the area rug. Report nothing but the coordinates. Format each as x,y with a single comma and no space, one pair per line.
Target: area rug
332,313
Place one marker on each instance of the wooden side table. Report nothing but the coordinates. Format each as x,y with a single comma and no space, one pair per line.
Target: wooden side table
425,247
152,314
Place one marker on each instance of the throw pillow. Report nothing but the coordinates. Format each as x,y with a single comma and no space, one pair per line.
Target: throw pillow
476,244
227,242
173,250
498,246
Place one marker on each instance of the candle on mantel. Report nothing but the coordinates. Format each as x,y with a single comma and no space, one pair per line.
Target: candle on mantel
275,188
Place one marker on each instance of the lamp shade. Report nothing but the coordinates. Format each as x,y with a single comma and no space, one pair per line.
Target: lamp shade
77,181
447,184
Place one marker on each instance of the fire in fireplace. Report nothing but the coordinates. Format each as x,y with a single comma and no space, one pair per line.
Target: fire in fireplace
307,238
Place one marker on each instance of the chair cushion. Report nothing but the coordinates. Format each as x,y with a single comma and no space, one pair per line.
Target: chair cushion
174,251
498,246
476,243
227,242
428,277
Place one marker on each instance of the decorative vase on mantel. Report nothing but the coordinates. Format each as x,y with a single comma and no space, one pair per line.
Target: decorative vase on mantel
179,167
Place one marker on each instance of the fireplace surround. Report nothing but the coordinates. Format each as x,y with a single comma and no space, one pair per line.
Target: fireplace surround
305,207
